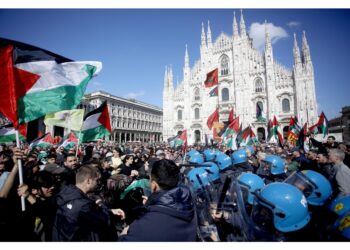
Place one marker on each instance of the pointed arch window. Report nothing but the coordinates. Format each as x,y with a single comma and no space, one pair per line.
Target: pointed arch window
259,108
224,65
285,105
197,94
196,113
225,95
179,115
259,88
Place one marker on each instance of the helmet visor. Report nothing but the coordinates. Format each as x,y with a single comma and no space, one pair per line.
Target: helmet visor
264,168
263,217
298,180
245,192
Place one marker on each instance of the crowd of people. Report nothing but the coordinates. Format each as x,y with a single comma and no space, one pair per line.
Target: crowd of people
103,191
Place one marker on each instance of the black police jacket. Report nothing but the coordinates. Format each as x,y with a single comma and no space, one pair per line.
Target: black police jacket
169,216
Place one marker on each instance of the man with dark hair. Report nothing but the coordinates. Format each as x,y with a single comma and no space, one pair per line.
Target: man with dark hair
79,218
169,214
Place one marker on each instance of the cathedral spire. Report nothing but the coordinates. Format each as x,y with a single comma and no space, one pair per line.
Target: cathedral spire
203,42
235,26
166,78
306,50
268,46
170,77
186,68
209,41
242,25
187,60
296,51
267,38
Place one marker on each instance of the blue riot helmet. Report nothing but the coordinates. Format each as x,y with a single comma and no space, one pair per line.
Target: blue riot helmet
314,186
342,225
218,152
340,205
274,163
213,171
281,206
192,152
239,156
209,155
322,188
198,177
223,161
253,182
196,159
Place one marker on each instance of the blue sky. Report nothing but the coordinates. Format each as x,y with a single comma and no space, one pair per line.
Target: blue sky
135,45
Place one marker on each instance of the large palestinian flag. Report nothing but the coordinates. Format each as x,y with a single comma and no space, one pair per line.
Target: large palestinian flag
35,82
96,124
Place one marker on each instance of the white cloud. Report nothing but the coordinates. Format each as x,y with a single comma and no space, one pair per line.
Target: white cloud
293,24
133,95
257,33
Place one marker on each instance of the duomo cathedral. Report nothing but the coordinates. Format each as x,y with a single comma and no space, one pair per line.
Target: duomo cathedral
247,78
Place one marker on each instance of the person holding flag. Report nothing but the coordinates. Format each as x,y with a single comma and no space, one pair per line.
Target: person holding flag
35,82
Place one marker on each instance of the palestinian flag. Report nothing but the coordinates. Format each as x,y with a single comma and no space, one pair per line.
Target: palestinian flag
96,124
276,135
302,136
269,127
35,82
231,116
214,92
232,128
44,141
212,78
231,142
321,127
260,116
247,137
214,117
69,141
179,140
293,131
8,133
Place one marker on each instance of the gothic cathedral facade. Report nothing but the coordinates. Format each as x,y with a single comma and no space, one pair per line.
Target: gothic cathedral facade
247,78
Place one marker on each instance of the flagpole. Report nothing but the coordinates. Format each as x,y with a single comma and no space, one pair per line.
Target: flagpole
20,172
76,151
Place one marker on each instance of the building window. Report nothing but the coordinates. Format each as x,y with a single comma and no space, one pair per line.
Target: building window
196,113
258,86
225,96
179,115
224,65
261,106
285,105
197,94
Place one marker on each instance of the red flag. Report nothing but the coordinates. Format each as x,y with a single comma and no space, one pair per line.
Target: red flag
104,117
23,129
183,137
214,117
230,116
14,82
212,78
